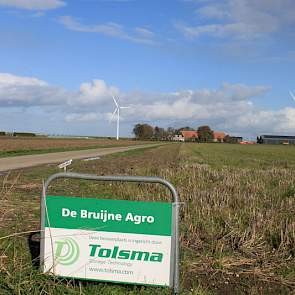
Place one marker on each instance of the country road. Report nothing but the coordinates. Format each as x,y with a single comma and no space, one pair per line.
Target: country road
12,163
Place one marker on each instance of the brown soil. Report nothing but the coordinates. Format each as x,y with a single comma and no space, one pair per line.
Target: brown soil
19,144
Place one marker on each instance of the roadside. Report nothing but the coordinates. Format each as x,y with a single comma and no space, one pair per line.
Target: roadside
21,146
12,163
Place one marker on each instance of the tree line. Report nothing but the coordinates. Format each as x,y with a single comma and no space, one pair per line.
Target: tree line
148,132
16,134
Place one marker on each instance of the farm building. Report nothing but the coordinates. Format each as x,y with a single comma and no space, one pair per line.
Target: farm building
276,139
178,137
233,139
189,135
192,135
218,136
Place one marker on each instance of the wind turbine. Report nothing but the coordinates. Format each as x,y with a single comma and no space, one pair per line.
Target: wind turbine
117,110
292,95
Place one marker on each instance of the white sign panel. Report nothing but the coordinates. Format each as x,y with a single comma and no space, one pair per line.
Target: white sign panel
109,240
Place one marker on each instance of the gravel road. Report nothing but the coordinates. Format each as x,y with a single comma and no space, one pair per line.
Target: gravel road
12,163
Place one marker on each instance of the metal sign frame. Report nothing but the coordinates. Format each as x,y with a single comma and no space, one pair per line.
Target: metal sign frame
175,212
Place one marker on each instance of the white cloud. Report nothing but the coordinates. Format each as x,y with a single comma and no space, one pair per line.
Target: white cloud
144,32
95,92
266,121
231,107
240,30
29,91
33,4
12,80
88,117
137,35
204,104
217,11
241,19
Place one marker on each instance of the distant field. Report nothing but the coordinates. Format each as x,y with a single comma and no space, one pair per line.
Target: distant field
237,218
242,156
10,146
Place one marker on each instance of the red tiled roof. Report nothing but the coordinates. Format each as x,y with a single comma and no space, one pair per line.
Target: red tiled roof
189,134
218,135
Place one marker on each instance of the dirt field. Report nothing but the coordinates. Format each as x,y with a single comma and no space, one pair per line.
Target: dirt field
237,218
10,146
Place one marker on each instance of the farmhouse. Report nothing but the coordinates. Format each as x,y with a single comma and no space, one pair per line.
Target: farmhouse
178,137
276,139
192,135
218,136
189,135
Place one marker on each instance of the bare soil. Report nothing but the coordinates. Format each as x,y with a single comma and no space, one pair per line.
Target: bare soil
25,143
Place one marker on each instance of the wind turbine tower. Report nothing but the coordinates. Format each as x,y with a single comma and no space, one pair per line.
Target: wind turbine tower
117,111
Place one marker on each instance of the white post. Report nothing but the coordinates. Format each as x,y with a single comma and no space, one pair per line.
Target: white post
118,123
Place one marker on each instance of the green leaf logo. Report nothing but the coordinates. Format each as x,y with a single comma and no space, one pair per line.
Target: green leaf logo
67,251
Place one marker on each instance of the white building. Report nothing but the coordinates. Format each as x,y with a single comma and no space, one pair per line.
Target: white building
178,138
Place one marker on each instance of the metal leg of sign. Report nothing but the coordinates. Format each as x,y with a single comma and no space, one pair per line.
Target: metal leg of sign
42,210
175,250
176,271
175,241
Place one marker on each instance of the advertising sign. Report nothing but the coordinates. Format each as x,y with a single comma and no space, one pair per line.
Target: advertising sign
109,240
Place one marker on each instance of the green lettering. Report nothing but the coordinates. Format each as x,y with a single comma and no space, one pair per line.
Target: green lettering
137,255
105,253
115,252
157,257
124,254
93,249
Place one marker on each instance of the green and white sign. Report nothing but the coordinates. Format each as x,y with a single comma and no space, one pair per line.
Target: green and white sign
109,240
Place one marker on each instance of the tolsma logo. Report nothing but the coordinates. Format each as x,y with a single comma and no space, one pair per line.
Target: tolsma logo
67,251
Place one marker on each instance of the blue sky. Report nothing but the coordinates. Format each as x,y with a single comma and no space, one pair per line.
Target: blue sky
226,63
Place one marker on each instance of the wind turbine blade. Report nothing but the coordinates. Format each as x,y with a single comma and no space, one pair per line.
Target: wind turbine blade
292,95
115,101
113,114
124,107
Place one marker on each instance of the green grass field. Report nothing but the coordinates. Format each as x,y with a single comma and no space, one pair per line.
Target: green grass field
237,218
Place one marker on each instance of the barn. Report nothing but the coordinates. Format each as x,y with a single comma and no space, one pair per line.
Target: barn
276,139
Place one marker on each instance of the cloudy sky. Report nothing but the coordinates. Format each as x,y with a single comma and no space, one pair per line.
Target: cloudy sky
226,63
